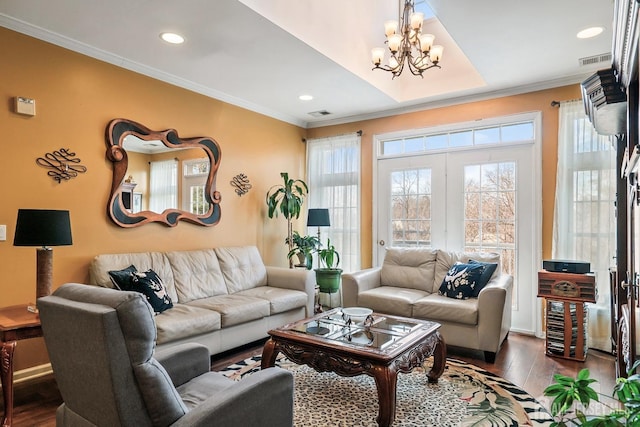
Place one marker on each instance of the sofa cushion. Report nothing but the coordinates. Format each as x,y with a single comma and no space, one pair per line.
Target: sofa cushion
156,261
242,268
446,259
440,308
489,269
280,300
196,274
234,309
183,321
121,279
461,280
150,285
390,299
409,268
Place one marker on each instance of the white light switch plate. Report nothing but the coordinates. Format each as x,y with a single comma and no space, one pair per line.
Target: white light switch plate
3,233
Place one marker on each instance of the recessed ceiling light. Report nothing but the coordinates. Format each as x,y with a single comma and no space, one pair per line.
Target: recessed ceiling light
590,32
172,38
305,97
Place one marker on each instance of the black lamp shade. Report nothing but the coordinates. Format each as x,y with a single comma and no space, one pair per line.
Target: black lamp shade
318,218
42,227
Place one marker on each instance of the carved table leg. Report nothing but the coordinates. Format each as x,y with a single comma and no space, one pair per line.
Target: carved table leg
386,380
7,380
439,359
269,354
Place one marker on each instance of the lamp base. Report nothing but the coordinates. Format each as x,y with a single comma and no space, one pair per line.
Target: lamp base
44,271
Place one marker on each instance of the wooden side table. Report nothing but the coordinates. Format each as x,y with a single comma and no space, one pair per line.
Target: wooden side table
16,323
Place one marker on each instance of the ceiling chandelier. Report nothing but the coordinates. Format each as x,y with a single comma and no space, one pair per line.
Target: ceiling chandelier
407,44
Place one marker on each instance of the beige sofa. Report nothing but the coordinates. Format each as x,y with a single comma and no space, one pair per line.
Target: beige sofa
407,285
222,298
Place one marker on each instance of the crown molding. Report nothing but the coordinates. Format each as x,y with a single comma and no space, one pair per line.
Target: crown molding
102,55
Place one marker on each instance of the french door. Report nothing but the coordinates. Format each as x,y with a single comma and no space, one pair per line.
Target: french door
473,200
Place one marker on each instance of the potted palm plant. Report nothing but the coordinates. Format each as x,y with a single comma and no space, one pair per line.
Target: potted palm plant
328,274
303,248
287,199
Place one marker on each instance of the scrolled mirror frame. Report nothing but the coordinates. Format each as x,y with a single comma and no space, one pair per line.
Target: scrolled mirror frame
116,132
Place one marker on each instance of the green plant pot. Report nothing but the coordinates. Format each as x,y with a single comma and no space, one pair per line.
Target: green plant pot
328,279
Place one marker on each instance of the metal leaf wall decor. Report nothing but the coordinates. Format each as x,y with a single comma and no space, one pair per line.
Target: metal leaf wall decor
241,183
62,164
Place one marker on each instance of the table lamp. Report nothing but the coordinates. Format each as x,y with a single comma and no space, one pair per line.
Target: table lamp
318,218
44,228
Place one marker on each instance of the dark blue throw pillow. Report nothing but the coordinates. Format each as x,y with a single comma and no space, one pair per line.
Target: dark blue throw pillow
461,280
151,286
489,268
121,279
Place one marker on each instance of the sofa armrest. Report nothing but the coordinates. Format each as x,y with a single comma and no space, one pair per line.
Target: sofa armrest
296,279
355,283
184,362
264,398
494,312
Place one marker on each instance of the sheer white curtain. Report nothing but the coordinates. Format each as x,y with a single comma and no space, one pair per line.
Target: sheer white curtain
584,220
163,185
333,177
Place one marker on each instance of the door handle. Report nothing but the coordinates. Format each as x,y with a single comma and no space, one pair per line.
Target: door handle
381,242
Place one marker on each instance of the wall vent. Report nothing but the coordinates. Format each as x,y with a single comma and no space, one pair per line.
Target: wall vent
320,113
595,59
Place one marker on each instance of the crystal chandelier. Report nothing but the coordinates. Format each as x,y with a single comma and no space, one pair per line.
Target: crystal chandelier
407,44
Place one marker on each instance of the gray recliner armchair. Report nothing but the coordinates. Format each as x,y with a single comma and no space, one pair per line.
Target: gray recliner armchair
101,345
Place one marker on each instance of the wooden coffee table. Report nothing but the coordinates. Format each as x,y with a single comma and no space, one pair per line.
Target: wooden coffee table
385,346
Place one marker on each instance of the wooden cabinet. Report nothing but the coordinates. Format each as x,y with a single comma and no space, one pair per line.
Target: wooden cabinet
566,317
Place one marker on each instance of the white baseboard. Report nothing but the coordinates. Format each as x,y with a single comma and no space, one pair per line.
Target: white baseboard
32,373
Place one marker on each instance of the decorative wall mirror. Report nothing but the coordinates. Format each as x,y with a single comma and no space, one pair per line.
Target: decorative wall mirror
160,177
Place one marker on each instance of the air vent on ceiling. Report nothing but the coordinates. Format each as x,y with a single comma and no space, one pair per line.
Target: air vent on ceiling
595,59
319,113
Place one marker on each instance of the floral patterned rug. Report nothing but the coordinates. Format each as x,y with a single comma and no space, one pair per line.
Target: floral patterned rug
465,395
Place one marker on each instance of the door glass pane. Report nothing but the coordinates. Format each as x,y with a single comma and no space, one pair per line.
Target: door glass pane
490,211
411,207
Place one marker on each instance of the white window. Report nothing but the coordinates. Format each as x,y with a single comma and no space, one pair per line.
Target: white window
194,180
333,168
163,185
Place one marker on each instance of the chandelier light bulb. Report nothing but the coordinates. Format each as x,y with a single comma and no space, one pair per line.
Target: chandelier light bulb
426,41
393,63
436,53
416,20
394,42
390,28
377,55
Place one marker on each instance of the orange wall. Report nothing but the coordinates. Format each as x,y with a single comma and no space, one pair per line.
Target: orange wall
535,101
76,96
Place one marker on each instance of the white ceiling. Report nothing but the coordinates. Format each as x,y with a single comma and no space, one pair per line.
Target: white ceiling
263,54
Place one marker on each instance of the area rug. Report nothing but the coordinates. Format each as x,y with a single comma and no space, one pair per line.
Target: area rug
465,395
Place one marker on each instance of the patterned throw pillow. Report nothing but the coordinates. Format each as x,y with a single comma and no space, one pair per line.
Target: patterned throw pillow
150,285
461,280
121,279
489,268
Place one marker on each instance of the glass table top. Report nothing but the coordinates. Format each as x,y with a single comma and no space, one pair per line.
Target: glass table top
378,331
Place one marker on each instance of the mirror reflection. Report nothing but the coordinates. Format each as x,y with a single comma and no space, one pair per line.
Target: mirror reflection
160,177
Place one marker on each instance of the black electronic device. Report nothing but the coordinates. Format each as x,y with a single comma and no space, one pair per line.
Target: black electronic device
566,266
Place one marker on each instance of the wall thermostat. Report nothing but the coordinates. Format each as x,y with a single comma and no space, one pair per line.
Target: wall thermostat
26,106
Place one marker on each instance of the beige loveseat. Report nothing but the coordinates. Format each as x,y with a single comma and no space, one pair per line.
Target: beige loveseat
222,298
407,285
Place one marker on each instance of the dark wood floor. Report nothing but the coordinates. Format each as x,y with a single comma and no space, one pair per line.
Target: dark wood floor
521,361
